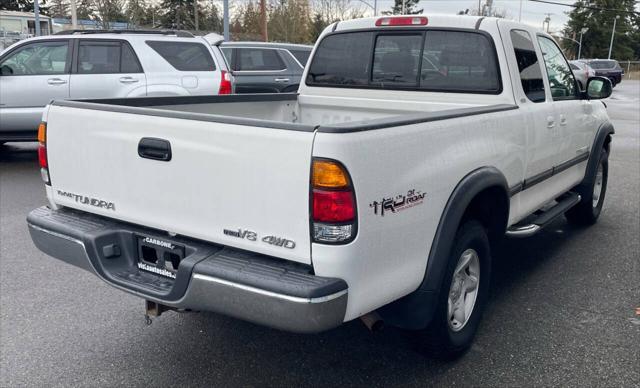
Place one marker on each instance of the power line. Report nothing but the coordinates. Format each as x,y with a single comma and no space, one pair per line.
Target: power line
585,6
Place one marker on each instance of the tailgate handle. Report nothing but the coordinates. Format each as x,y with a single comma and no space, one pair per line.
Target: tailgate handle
154,148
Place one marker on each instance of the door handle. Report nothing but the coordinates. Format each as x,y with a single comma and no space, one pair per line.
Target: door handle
56,81
128,80
563,120
155,149
281,79
551,122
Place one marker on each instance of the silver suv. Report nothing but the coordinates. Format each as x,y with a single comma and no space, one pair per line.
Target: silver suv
104,64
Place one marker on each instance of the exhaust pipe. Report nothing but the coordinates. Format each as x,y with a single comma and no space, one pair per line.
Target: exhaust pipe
373,321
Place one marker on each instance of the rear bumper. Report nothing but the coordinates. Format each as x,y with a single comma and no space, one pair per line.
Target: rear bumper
244,285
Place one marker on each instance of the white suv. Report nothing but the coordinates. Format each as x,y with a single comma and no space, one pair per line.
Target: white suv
101,64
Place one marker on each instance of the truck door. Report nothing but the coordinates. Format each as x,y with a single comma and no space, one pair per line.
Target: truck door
573,113
106,68
543,133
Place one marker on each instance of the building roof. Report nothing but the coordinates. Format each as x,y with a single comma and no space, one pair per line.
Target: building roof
22,14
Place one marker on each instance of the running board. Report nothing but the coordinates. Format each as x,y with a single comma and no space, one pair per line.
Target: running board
543,219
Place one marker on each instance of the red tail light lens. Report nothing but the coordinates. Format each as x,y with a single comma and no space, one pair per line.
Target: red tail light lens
333,206
333,203
402,21
225,83
42,156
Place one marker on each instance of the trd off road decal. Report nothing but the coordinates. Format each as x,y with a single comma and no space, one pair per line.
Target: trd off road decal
398,203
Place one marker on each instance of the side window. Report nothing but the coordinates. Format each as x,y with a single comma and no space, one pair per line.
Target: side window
528,66
342,60
561,81
96,57
43,58
184,56
228,55
250,59
396,60
301,55
128,61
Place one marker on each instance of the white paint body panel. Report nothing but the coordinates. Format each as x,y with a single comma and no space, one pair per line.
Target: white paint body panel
240,176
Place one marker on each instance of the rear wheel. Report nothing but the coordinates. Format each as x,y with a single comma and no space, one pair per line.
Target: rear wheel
592,191
462,296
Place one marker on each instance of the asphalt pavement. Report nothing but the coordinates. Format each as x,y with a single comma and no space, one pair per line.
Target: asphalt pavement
562,310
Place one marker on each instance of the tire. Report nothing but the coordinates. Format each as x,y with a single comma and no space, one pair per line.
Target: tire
592,190
450,335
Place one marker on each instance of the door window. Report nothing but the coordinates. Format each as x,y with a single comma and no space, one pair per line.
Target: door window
184,56
561,80
301,55
42,58
99,57
250,59
528,66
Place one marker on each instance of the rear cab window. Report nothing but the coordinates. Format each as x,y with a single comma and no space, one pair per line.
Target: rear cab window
428,60
184,56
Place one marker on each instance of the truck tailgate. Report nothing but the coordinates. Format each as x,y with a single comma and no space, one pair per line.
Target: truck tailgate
238,185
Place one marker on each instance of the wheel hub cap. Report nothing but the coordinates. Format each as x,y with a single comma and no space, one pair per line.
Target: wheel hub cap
464,289
597,186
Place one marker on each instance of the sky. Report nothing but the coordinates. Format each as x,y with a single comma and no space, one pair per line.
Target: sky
533,13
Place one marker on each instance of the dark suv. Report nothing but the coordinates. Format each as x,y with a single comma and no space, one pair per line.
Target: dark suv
607,68
260,67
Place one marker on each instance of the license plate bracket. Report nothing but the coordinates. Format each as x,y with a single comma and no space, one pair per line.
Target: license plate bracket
159,256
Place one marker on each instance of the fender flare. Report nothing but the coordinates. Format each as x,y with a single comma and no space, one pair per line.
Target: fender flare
605,130
415,310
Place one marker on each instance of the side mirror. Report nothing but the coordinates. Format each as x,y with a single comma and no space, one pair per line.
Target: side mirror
6,70
598,88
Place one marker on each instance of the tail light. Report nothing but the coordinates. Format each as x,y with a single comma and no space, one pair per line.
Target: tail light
43,160
402,21
333,203
225,82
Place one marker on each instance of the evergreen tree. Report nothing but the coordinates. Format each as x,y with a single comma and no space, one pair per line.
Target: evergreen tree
410,8
177,14
137,12
289,21
595,42
23,6
59,9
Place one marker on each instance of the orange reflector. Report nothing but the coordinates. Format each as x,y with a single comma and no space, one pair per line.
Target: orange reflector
42,132
329,174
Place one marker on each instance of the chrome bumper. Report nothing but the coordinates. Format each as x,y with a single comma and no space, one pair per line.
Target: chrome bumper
248,286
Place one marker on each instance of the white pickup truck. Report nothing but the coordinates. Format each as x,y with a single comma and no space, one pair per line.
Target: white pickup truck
414,144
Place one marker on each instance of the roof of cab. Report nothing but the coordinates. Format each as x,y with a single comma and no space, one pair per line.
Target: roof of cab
456,21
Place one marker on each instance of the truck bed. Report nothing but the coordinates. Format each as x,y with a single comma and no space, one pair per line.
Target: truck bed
288,111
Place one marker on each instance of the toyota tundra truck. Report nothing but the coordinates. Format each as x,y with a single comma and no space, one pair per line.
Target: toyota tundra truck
378,191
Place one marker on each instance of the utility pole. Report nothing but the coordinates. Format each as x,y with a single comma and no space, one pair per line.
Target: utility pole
74,15
225,17
613,32
520,13
195,14
263,20
36,11
403,7
547,21
479,7
582,32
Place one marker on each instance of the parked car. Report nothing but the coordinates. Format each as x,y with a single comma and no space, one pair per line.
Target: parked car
379,191
260,67
608,68
98,64
582,71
